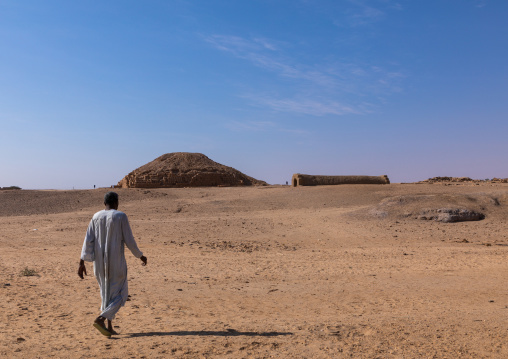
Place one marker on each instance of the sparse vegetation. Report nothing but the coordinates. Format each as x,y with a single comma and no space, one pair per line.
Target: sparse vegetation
27,272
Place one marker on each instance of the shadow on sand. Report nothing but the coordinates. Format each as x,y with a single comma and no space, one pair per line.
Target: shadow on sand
224,333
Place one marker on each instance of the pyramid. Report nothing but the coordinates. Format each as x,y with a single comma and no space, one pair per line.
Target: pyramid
183,169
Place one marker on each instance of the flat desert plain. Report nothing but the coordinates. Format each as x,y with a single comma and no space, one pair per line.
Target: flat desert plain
263,272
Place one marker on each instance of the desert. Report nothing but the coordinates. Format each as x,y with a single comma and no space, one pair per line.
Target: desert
347,271
253,179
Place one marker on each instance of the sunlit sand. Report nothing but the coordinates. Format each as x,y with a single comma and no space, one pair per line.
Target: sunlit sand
315,272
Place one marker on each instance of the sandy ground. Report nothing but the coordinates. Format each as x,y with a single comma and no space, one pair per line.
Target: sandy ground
310,272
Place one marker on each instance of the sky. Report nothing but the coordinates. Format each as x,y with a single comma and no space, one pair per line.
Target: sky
91,90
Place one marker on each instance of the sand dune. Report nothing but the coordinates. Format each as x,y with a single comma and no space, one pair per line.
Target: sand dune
308,272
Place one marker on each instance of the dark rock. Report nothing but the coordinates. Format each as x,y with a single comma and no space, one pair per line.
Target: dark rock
449,215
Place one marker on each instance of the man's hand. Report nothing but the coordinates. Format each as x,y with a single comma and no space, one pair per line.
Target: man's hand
143,259
81,269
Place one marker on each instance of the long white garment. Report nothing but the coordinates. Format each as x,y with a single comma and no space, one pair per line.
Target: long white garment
107,234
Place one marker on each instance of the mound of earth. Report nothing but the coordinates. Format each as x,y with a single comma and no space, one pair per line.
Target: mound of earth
182,169
439,207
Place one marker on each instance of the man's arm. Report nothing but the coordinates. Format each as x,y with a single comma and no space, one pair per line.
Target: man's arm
129,240
88,250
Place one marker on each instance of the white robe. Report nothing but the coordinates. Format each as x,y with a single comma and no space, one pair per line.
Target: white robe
107,234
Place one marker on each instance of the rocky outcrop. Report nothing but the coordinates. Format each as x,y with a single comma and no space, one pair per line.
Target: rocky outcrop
310,180
450,215
447,179
183,169
499,180
463,180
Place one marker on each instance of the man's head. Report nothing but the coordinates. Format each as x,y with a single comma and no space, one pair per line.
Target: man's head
111,200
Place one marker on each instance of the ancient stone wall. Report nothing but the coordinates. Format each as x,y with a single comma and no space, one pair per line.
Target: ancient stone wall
310,180
189,179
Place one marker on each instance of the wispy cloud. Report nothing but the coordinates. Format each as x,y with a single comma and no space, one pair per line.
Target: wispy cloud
362,13
251,126
481,3
266,44
262,53
366,15
333,88
234,44
262,126
306,106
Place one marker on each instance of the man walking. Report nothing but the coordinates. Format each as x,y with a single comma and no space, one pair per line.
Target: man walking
107,234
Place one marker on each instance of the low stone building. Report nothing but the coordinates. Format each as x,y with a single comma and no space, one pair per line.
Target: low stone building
299,179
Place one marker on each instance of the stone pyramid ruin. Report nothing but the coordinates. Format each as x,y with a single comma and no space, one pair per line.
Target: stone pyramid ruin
183,169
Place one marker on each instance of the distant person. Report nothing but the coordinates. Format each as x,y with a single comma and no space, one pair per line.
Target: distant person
107,234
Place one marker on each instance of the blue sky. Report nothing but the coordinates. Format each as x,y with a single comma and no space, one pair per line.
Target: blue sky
91,90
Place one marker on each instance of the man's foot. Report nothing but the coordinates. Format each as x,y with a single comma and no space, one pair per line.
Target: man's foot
110,328
99,325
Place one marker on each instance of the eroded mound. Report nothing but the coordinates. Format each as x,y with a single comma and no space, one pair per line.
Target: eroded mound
439,207
182,169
